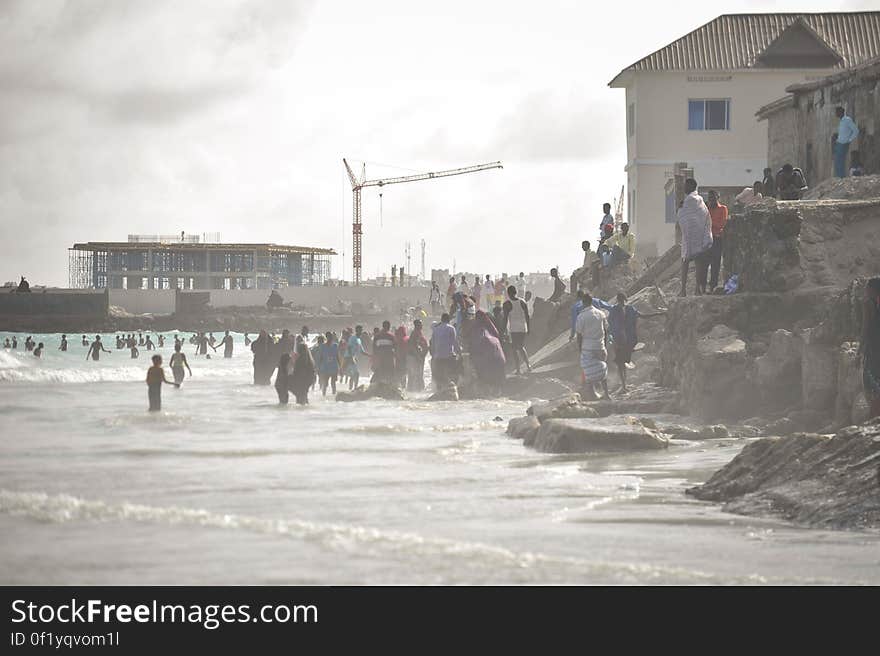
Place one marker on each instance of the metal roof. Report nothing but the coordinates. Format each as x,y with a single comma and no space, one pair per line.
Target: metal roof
736,41
143,246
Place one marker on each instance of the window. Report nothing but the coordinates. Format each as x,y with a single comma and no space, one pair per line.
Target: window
631,120
709,114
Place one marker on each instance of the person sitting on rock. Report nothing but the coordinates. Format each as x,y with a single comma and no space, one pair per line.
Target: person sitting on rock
621,246
790,183
274,300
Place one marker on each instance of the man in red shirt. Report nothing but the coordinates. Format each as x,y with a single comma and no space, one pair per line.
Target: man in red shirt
718,214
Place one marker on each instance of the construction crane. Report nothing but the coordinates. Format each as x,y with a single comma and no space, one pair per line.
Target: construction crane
358,184
618,211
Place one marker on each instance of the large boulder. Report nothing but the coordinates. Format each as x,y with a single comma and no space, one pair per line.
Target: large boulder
713,381
588,436
542,410
524,428
778,371
818,373
525,388
761,246
811,479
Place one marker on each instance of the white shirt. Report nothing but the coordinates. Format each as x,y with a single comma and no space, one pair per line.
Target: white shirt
592,326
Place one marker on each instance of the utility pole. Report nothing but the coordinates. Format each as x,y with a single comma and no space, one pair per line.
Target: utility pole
423,259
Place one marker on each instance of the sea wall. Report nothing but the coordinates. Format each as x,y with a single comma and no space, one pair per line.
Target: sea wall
53,303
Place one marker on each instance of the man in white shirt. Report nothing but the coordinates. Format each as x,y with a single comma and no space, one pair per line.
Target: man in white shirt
592,336
696,234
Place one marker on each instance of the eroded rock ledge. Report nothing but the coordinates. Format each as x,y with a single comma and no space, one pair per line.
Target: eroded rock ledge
811,479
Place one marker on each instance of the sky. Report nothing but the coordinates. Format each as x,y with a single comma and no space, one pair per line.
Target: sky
123,117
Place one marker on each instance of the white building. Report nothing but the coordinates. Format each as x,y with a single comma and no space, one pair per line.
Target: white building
695,100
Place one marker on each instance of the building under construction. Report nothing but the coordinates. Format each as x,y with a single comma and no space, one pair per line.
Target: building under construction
185,262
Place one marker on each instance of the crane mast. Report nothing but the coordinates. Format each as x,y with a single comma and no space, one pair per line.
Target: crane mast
358,184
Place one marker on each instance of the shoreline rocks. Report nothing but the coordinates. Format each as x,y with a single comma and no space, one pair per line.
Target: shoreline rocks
811,479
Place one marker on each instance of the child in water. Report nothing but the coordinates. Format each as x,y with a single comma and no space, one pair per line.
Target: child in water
155,378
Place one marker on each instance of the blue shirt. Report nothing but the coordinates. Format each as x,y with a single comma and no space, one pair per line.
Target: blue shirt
622,324
327,360
847,131
443,342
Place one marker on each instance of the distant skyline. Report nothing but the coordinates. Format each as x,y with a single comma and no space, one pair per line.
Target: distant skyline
154,117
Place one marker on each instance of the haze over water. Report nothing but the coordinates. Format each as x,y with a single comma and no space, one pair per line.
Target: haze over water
225,486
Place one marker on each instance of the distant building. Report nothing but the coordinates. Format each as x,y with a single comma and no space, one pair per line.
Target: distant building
178,263
800,125
695,100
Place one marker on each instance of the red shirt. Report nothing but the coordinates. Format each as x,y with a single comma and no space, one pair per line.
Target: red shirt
719,219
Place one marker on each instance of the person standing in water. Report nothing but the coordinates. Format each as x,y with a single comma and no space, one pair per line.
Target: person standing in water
14,342
283,379
516,318
85,342
328,363
63,346
264,358
247,340
149,344
227,345
155,378
303,376
29,344
178,362
38,352
6,344
96,348
161,339
354,350
202,344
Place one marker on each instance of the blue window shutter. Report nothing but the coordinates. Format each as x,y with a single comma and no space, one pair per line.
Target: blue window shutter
696,110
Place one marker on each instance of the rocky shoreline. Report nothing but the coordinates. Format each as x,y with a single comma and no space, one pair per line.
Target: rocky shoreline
818,480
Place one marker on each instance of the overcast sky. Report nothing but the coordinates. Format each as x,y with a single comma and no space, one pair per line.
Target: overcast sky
157,116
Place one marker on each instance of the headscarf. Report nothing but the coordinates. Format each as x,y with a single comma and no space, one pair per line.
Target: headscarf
400,338
484,322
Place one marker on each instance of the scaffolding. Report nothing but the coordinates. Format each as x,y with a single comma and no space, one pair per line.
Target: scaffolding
193,264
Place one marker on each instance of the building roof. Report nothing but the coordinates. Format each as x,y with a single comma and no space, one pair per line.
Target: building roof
739,41
143,246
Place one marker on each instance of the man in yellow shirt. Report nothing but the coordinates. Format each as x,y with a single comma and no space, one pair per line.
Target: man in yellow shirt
622,245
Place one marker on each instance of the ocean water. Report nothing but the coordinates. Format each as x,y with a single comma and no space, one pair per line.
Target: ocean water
224,486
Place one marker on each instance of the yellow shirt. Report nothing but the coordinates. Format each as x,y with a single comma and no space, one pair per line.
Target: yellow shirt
627,242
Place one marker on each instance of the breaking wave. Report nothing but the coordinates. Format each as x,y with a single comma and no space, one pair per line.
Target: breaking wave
62,508
384,429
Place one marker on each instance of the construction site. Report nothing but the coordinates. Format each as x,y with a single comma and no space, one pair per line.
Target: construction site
188,262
